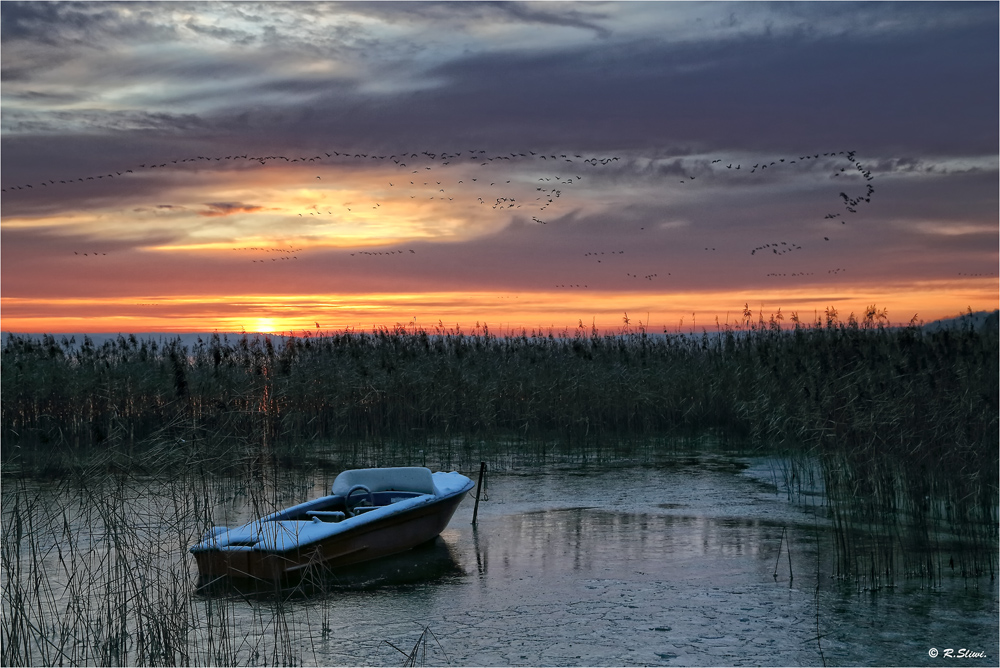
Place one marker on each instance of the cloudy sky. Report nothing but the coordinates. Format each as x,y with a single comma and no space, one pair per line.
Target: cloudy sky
273,167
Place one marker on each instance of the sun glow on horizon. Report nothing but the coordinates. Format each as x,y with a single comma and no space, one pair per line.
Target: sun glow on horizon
502,312
265,326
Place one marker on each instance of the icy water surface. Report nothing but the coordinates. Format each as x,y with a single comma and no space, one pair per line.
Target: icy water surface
651,566
674,564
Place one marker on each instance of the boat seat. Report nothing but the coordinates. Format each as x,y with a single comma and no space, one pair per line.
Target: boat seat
364,509
398,479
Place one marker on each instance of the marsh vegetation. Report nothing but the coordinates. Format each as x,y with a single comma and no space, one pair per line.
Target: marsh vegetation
146,443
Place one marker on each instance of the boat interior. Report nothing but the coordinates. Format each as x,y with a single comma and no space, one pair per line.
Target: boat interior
336,508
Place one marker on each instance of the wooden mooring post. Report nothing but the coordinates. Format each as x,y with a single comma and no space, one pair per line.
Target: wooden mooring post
479,489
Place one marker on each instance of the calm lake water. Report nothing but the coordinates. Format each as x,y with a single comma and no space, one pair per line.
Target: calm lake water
672,564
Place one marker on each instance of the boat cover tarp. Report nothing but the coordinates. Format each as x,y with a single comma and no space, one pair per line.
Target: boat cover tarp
400,479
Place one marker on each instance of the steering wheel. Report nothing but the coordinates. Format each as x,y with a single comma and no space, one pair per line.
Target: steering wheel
347,499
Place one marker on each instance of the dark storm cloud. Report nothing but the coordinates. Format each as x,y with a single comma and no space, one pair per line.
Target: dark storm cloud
886,18
553,15
902,90
83,121
86,23
969,196
218,209
889,77
45,98
880,94
45,22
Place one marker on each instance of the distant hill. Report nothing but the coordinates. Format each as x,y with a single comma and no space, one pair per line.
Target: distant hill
976,320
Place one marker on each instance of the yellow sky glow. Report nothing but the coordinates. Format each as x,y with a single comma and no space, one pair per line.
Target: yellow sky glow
503,312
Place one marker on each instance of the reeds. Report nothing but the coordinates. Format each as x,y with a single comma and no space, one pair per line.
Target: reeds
903,422
419,649
96,572
383,386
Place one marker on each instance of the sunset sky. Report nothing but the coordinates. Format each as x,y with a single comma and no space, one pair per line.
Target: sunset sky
171,167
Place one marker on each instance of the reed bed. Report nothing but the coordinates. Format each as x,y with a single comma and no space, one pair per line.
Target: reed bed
96,572
902,422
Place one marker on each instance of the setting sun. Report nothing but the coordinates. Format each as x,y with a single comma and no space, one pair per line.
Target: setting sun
264,325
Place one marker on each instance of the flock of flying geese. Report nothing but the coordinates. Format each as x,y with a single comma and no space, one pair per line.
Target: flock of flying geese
419,175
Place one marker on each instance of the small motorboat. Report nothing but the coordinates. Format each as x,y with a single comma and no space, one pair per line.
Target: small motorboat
371,513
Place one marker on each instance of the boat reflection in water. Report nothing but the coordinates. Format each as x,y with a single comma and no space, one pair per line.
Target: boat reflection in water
430,562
